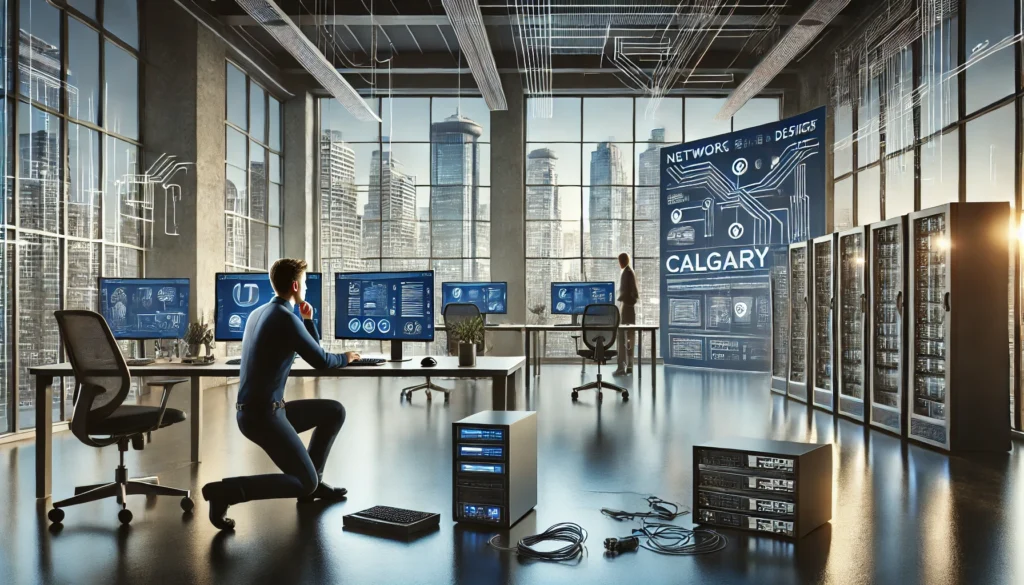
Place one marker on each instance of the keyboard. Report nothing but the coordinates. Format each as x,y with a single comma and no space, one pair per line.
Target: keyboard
367,362
134,362
391,521
234,362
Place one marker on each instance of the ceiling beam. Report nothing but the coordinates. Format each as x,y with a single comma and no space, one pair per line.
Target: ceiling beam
493,20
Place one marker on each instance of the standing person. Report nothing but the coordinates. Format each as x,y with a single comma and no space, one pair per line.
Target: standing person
628,297
273,335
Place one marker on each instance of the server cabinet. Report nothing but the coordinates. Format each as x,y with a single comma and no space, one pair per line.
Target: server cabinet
852,320
888,333
823,304
800,338
959,364
780,319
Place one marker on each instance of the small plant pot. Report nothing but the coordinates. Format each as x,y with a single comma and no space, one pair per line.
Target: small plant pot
467,354
193,350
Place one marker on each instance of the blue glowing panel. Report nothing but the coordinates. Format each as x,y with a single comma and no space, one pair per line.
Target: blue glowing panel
488,513
474,451
238,294
384,305
571,298
471,434
145,308
481,468
489,297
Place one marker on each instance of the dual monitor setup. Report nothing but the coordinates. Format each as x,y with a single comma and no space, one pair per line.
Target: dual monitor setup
384,306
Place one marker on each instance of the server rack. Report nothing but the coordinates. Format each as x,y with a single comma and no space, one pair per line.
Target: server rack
852,318
780,319
959,364
800,338
823,306
887,328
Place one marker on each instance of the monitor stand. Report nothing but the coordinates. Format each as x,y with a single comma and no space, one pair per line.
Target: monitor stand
575,319
396,352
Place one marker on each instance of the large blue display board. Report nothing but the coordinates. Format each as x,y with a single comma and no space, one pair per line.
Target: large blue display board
384,305
145,308
571,298
238,294
727,203
489,297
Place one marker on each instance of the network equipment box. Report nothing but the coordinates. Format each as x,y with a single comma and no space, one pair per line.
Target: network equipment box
494,467
778,487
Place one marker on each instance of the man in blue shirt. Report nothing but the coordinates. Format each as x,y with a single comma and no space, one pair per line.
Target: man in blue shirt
273,335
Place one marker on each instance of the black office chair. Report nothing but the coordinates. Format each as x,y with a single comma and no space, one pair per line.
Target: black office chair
600,327
102,382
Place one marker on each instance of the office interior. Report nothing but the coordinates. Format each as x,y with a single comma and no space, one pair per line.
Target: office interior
505,142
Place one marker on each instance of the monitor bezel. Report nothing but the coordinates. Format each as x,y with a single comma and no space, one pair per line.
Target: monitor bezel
339,337
216,305
458,282
551,294
99,309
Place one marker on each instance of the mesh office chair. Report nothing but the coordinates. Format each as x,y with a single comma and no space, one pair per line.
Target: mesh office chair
453,313
600,327
102,382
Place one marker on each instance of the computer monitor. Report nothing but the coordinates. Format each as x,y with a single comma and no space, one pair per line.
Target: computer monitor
145,308
238,294
571,298
397,306
489,297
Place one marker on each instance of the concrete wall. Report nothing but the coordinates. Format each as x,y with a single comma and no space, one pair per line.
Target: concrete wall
298,200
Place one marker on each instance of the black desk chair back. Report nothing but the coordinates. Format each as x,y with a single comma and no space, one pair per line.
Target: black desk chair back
100,418
600,328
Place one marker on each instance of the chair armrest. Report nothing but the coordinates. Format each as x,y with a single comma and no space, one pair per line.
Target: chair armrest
80,416
576,340
163,404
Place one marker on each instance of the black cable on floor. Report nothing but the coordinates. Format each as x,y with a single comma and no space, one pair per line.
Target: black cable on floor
568,532
658,508
669,539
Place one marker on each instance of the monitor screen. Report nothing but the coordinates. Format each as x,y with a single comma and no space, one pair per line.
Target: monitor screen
489,297
384,305
145,308
238,294
571,298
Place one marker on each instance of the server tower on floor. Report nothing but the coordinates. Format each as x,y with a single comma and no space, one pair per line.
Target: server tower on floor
494,467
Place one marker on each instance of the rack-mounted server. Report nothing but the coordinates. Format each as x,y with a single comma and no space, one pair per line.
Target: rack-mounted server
780,319
823,253
887,325
800,337
852,323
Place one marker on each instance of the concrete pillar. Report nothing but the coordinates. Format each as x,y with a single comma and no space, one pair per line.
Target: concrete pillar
298,200
508,210
183,115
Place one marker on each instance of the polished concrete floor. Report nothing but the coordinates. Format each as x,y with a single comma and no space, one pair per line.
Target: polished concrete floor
902,514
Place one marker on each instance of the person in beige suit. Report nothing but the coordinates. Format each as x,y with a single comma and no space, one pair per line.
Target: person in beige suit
628,297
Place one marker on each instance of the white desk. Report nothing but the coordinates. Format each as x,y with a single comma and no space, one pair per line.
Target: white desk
501,370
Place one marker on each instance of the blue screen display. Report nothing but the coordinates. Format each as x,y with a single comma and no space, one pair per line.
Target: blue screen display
489,297
482,434
481,452
490,513
481,468
571,298
238,294
145,308
384,305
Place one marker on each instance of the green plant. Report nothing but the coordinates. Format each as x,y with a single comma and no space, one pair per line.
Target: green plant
469,330
199,333
538,312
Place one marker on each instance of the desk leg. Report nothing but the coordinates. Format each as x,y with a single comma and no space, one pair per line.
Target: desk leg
498,392
44,435
639,354
197,418
510,390
527,354
654,359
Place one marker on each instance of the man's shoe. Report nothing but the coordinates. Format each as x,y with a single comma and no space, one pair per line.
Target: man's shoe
619,372
629,371
217,495
325,492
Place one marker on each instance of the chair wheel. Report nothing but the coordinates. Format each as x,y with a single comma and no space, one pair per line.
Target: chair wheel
55,515
575,395
125,516
625,395
187,504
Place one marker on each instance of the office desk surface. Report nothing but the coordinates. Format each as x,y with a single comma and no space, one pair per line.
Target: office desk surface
502,371
447,367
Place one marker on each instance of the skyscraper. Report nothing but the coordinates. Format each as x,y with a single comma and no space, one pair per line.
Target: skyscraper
610,207
649,177
457,231
390,229
340,238
544,237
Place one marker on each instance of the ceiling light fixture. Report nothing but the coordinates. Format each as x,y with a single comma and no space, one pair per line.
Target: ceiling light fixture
792,43
270,16
468,23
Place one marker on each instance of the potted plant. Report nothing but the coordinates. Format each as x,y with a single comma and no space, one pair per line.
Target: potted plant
199,333
470,335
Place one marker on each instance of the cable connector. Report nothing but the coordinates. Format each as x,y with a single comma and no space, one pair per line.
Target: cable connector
621,545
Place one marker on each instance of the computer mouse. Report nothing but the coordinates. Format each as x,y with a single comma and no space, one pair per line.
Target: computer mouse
428,362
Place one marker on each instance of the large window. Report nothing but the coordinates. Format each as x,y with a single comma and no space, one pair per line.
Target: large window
410,193
70,212
252,175
592,176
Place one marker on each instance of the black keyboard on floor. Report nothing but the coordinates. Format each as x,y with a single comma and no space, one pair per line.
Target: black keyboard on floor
234,362
367,362
392,521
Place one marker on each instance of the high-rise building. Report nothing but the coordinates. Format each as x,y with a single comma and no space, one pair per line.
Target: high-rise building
457,230
390,228
340,237
649,177
544,237
610,231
